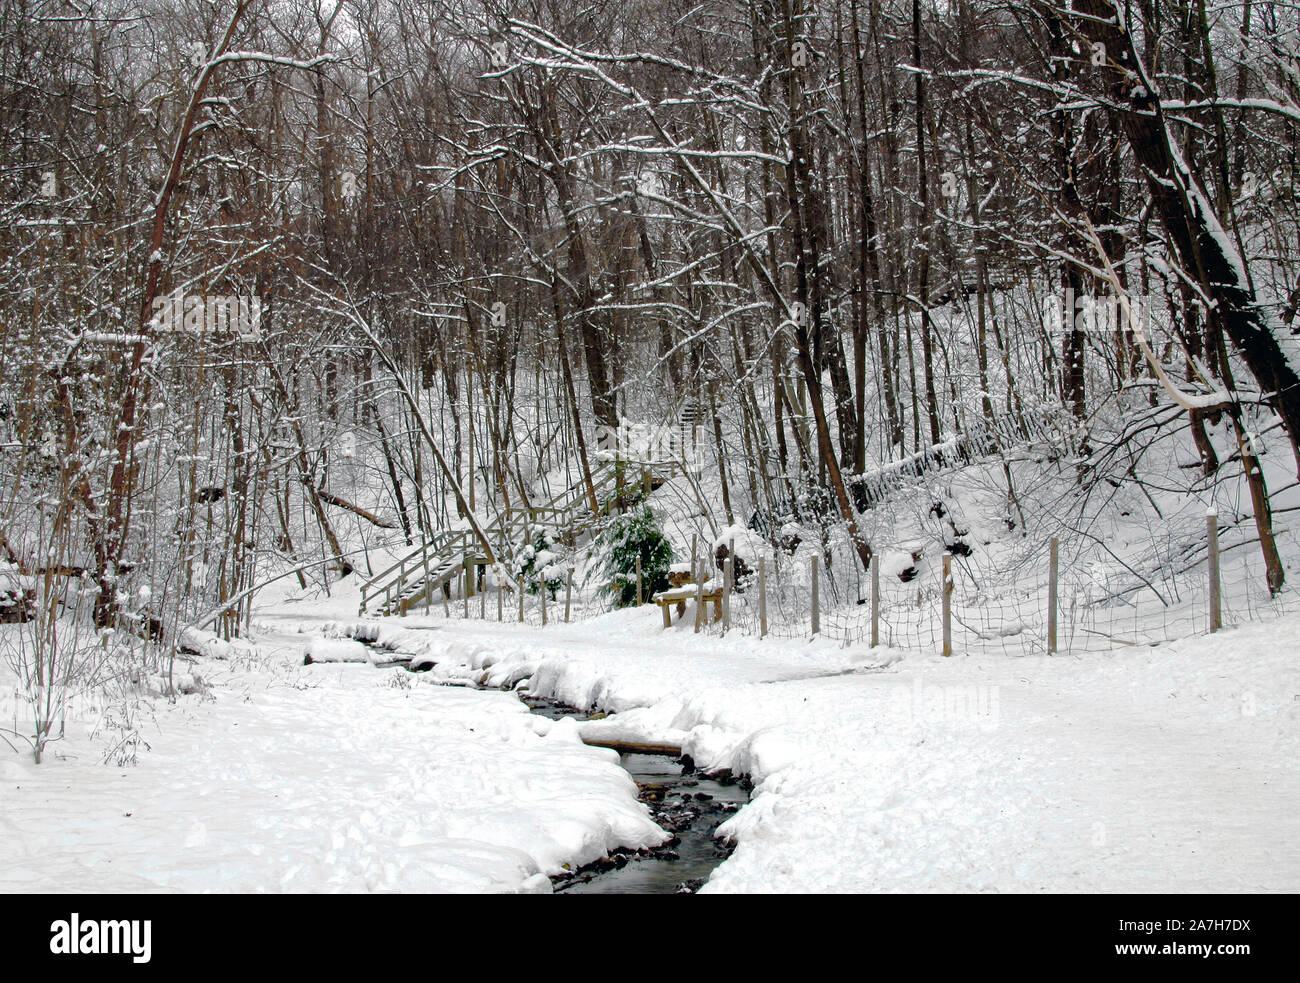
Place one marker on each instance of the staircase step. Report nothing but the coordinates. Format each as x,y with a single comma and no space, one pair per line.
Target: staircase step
566,511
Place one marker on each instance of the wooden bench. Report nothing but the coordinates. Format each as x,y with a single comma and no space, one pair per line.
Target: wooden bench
682,593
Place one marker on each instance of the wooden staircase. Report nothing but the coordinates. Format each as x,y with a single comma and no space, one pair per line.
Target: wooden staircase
432,566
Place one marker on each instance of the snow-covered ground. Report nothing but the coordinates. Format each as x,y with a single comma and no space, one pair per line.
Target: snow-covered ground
1142,769
323,778
1145,769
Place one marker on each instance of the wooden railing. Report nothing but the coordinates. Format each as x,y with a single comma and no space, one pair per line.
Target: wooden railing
572,509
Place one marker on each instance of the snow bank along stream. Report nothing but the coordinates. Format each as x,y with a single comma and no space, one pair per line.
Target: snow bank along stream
688,805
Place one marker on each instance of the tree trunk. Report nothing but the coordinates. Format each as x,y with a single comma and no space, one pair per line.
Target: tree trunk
1202,245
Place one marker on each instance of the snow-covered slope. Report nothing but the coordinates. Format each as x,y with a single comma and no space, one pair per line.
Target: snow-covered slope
1144,769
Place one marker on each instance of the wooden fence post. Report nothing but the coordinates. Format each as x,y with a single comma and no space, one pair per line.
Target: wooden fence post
762,596
464,588
542,593
482,602
521,600
699,602
1052,606
727,574
500,606
638,580
875,600
695,579
568,593
816,601
1216,599
947,604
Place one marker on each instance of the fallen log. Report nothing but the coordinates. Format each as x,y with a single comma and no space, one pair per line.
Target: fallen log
331,499
634,747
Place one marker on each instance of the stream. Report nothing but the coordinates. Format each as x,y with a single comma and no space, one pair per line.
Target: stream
686,804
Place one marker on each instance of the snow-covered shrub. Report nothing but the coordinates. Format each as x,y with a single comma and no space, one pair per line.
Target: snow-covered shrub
636,533
540,561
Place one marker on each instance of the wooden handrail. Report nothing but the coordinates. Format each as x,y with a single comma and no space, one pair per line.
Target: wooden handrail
506,526
438,543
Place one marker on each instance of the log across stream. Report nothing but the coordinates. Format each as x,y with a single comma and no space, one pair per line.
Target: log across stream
688,805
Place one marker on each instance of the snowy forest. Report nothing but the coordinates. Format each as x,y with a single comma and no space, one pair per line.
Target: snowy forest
460,309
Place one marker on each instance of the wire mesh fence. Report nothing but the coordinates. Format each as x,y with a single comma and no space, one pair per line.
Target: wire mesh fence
999,601
1002,603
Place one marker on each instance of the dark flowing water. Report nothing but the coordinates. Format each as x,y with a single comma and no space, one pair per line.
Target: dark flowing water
686,804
